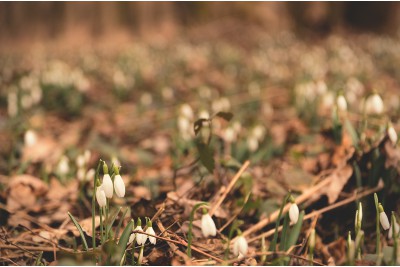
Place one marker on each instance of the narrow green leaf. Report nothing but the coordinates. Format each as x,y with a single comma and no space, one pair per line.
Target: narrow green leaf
284,233
77,225
120,222
272,245
224,115
111,219
295,232
123,241
353,133
206,155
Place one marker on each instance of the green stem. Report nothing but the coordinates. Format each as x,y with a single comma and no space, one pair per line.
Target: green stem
394,235
378,232
140,255
272,246
96,177
190,233
133,251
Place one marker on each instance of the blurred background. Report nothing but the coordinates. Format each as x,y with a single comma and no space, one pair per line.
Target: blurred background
240,21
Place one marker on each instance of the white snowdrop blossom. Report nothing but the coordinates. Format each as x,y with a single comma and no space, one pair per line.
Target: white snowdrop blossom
396,229
208,227
374,104
101,196
294,213
108,185
229,135
341,103
240,247
119,186
30,138
258,132
383,218
252,143
90,174
204,114
150,231
80,161
63,165
131,238
186,111
392,134
140,238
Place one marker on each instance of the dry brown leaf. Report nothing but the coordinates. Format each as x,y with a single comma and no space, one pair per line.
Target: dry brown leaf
339,178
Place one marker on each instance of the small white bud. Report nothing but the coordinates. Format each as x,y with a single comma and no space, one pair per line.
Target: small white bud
186,111
208,226
374,104
152,239
341,103
86,155
81,174
119,186
80,161
30,138
392,134
384,220
108,185
101,196
294,213
229,135
240,247
90,174
396,229
252,143
63,165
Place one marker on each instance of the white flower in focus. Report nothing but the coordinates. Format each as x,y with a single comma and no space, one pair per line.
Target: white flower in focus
30,138
140,238
392,134
108,185
119,186
63,165
294,213
384,220
101,196
374,104
341,103
208,226
396,229
152,239
240,247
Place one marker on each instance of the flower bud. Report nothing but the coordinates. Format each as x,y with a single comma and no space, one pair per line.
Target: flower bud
119,186
101,196
240,247
341,103
30,138
396,229
383,218
108,185
208,226
392,134
150,231
294,213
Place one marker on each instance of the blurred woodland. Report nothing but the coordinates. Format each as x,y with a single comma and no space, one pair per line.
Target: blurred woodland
21,21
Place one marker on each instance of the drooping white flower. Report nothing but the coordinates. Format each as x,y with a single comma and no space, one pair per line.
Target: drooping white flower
258,132
119,186
108,185
252,143
374,104
150,231
208,226
396,229
186,111
81,174
140,238
294,213
341,103
80,161
90,174
384,220
63,165
240,247
30,138
101,196
131,238
86,155
392,134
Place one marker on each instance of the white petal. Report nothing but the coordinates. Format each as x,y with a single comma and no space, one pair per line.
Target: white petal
108,186
101,196
294,213
243,246
384,220
392,135
140,238
208,226
131,238
152,239
119,186
396,229
236,248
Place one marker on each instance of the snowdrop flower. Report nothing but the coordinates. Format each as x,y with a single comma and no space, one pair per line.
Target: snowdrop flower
374,104
90,174
252,143
294,213
358,218
258,132
240,247
108,185
30,138
229,135
86,155
392,134
396,229
119,186
63,165
341,103
383,218
80,161
311,240
150,231
204,114
101,196
186,111
207,225
140,238
81,174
